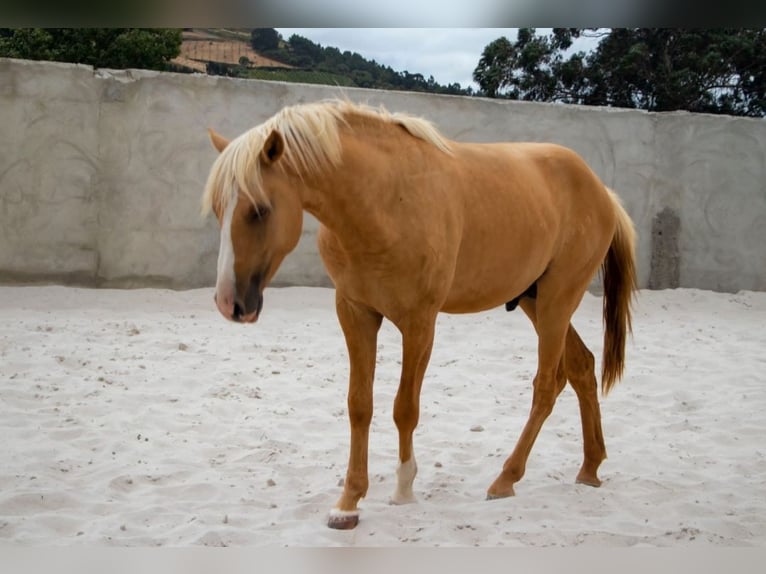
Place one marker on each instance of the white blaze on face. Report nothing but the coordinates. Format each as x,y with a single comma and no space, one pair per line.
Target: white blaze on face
225,283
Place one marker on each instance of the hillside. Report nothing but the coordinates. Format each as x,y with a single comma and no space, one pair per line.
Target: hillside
229,52
202,46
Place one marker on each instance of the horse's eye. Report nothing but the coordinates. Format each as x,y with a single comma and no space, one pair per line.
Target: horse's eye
257,213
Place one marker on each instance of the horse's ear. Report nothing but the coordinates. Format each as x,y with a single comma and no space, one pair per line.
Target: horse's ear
219,142
273,148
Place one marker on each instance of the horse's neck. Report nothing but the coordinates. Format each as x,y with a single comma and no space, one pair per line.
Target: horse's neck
347,208
349,199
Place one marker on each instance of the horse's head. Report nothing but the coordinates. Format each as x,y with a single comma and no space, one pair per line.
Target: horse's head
260,218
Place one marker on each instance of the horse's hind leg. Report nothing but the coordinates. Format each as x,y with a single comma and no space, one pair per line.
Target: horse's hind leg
552,322
580,370
360,328
579,367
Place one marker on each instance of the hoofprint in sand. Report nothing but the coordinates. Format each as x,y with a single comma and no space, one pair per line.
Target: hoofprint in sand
142,418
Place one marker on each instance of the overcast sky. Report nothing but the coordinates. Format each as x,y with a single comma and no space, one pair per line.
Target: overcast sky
448,54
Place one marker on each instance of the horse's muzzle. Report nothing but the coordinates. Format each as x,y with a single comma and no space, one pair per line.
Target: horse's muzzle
241,314
242,309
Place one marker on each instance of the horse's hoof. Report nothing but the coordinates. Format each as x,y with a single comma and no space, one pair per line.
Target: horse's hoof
343,520
399,500
494,496
590,481
497,497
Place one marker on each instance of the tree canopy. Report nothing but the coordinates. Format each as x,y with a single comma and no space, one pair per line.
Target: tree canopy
710,70
264,39
99,47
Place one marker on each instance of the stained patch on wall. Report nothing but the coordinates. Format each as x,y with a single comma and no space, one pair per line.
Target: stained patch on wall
666,260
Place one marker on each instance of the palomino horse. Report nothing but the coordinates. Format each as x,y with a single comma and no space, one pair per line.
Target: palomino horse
413,224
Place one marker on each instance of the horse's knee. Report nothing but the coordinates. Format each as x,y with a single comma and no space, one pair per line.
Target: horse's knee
360,407
405,416
359,416
406,410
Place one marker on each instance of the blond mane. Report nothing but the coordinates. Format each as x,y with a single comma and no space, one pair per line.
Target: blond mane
312,143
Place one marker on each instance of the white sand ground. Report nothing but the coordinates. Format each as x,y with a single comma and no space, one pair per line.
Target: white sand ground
142,418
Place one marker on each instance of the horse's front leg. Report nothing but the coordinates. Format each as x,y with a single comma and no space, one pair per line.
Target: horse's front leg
417,341
360,327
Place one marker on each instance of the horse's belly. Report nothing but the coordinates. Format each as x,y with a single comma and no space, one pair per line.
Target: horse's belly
482,298
491,273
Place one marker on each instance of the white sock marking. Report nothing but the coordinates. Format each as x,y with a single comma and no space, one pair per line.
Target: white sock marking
405,475
337,513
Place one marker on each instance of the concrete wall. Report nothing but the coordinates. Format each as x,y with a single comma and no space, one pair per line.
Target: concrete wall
101,174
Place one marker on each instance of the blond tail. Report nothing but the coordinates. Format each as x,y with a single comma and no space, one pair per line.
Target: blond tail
620,282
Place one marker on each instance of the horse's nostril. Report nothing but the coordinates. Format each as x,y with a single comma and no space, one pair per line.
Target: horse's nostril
237,313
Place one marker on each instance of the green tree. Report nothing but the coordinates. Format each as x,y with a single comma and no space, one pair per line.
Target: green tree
532,68
305,53
495,69
263,39
710,70
98,47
